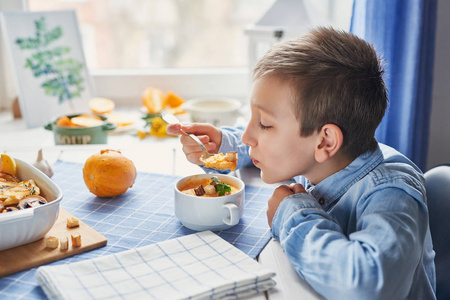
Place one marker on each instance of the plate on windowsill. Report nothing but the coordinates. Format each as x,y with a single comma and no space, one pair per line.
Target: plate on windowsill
124,122
123,129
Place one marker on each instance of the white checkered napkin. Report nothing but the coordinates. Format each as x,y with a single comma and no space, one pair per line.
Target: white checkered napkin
196,266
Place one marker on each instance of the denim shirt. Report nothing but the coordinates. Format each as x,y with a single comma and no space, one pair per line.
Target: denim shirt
362,233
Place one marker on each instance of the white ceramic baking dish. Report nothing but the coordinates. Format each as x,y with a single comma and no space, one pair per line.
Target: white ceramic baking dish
29,225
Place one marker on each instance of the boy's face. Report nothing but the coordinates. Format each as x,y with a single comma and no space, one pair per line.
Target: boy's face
273,133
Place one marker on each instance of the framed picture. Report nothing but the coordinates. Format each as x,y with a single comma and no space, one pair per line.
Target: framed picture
49,63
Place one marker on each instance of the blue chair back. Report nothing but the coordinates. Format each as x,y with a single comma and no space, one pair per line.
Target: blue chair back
437,182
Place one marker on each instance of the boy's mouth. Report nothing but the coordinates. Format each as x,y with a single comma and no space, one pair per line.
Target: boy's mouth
255,162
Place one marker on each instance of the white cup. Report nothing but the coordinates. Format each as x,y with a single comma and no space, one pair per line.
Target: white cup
217,111
210,213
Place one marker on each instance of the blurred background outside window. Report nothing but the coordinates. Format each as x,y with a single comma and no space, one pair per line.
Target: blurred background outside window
176,34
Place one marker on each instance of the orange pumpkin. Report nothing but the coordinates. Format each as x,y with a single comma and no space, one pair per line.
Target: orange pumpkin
109,173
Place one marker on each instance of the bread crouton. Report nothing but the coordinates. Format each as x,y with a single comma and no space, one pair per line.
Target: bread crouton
72,222
51,242
76,240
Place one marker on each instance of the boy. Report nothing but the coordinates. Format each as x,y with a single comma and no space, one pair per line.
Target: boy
356,224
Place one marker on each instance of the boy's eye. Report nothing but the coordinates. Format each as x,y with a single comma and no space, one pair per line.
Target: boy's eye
263,127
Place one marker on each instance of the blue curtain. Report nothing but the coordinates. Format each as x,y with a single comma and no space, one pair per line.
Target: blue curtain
403,33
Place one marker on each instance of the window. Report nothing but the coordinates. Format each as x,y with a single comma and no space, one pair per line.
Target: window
166,42
121,34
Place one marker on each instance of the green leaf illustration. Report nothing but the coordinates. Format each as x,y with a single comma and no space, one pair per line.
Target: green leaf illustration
62,74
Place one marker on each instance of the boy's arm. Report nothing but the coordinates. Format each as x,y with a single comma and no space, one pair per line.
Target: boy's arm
278,195
376,261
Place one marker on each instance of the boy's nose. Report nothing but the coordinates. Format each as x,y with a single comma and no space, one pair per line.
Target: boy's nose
247,137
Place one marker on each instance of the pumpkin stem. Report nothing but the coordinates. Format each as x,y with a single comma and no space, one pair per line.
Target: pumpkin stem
109,150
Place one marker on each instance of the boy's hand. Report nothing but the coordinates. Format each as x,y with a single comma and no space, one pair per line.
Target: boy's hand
209,135
279,194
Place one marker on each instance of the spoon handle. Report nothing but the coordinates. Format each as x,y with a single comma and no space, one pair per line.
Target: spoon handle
171,119
195,138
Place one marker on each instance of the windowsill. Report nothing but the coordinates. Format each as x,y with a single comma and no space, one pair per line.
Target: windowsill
169,71
126,86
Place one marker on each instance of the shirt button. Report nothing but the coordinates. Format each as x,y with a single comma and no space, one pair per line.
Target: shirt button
321,201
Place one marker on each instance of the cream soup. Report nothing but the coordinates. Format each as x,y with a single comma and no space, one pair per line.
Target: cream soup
191,185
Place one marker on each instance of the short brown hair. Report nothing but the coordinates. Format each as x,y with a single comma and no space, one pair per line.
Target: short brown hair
337,78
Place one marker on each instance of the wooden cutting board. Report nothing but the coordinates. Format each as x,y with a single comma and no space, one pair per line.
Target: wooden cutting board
35,254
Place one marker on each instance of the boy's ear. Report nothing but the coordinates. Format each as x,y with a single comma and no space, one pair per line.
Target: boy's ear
329,142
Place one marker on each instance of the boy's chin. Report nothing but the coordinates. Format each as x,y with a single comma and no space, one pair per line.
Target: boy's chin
270,179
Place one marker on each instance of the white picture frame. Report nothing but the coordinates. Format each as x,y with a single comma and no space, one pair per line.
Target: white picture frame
49,63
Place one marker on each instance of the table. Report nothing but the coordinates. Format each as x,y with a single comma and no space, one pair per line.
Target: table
24,144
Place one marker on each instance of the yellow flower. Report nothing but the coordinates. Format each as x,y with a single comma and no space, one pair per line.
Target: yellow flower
158,127
141,134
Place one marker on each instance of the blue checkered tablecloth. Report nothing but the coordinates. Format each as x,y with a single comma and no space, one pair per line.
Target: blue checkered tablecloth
142,216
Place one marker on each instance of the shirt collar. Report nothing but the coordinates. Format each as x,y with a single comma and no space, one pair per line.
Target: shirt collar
333,187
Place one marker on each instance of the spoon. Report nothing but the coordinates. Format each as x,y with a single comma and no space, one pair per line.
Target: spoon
171,119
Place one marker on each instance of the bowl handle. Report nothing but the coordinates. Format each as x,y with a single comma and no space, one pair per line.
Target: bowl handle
17,215
109,126
233,219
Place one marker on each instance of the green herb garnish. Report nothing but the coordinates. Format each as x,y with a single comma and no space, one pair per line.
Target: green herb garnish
222,188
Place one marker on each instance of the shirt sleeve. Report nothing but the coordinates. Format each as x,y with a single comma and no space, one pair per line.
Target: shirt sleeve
231,142
376,261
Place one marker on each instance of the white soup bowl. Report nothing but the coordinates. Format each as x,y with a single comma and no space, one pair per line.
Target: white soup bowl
217,111
209,213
